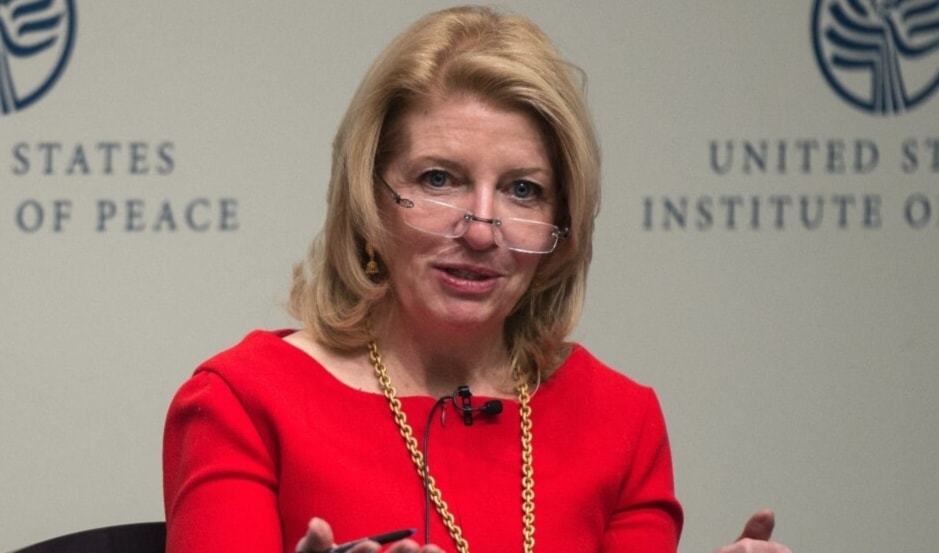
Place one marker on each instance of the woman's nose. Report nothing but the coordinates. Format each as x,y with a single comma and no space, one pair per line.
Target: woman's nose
481,231
482,202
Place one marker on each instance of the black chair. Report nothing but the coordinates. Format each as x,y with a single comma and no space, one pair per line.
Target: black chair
141,537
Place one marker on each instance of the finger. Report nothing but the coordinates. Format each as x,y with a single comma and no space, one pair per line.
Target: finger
410,546
319,537
760,526
365,546
404,546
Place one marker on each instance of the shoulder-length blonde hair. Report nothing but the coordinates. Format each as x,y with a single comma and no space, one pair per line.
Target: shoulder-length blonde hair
499,58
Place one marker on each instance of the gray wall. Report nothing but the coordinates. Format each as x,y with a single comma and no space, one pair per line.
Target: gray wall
797,366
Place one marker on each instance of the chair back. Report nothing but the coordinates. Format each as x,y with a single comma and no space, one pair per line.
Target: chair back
141,537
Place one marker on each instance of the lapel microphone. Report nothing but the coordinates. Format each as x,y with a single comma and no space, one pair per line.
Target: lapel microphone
465,405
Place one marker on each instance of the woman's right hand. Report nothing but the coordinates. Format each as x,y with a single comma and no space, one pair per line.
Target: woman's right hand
319,538
756,536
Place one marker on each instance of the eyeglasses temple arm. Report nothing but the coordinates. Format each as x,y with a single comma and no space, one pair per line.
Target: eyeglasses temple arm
404,202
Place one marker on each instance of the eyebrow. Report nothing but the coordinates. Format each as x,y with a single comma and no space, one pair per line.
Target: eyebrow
447,163
450,164
529,171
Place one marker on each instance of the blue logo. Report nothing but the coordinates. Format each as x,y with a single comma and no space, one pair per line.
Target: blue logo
36,38
882,56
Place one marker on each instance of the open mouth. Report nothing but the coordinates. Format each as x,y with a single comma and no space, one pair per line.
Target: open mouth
466,275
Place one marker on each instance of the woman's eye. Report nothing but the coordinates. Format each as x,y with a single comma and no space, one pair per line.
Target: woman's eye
523,189
436,179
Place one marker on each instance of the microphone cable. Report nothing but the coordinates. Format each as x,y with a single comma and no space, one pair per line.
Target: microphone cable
425,450
493,407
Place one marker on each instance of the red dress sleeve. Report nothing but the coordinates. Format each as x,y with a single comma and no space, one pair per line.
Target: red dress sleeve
648,518
219,476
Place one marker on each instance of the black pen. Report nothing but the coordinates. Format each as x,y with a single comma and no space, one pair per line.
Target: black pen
380,538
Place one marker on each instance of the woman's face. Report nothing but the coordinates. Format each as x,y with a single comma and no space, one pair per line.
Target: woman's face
491,161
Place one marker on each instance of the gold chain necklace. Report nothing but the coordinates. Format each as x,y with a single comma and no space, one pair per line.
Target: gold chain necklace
528,479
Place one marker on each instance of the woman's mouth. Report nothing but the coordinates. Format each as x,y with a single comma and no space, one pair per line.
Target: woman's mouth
466,274
470,273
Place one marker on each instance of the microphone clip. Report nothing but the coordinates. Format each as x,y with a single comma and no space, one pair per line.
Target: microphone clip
465,405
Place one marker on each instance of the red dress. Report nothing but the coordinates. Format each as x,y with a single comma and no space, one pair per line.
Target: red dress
262,438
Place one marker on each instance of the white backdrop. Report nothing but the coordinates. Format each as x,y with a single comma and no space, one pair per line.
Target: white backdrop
797,364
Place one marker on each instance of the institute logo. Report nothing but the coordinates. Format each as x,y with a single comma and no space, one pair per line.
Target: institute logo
882,56
36,38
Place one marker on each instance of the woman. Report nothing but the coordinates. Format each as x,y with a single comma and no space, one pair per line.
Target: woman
431,386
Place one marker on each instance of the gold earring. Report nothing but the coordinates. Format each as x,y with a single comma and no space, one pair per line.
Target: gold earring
371,267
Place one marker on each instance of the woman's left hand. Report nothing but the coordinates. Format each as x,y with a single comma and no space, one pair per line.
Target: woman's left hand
319,538
756,535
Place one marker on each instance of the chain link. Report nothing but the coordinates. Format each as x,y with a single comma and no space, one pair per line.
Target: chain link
528,473
528,481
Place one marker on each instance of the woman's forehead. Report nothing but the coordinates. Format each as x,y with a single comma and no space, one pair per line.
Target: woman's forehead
464,126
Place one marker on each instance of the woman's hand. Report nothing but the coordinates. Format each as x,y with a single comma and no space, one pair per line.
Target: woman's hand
756,535
319,538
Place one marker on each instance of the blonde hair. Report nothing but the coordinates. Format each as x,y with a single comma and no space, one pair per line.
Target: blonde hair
499,58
